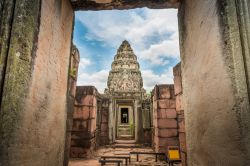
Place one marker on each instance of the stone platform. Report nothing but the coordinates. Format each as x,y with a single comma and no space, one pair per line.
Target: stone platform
144,160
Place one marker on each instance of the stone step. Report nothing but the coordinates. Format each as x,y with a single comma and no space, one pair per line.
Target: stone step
127,145
125,141
126,137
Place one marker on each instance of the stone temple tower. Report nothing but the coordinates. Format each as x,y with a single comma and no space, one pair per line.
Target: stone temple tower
125,92
125,76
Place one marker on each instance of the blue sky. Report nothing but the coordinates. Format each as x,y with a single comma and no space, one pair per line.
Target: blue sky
153,35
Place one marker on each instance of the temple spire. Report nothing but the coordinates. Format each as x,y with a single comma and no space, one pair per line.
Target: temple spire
125,51
125,72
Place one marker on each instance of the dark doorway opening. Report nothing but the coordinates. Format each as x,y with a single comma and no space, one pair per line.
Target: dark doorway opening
124,115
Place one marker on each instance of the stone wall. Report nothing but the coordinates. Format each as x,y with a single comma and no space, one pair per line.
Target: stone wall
83,133
165,131
214,83
73,72
6,16
180,112
34,90
243,8
103,119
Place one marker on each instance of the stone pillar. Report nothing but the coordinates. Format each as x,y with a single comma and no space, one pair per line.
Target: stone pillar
114,123
73,72
180,112
139,124
33,102
146,119
83,133
110,122
215,82
164,118
104,119
136,121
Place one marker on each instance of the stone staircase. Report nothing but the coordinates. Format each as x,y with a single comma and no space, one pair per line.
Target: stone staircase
126,144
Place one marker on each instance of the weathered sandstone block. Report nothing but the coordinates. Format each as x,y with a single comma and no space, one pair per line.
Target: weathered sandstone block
81,113
169,103
181,125
167,123
165,142
166,113
179,104
182,140
167,133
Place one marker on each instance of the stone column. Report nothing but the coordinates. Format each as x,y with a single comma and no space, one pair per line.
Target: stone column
139,122
164,118
136,120
110,123
114,123
180,112
72,79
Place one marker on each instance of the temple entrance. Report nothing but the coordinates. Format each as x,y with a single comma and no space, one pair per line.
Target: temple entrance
125,122
124,115
36,91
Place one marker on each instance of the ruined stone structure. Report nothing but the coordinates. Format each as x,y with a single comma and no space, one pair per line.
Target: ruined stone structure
102,121
122,113
35,39
83,133
73,67
125,112
90,122
126,93
165,131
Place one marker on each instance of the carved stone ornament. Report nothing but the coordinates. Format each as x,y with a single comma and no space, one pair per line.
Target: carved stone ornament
125,75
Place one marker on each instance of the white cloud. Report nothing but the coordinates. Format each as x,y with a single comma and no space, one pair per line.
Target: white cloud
156,52
84,62
150,79
152,33
98,79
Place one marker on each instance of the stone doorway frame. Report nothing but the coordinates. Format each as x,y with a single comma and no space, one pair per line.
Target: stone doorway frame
20,61
118,117
120,103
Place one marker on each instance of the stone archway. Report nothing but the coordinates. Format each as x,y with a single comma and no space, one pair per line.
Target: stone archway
35,47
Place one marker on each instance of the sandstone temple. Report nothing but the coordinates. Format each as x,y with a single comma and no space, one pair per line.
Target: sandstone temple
45,119
125,115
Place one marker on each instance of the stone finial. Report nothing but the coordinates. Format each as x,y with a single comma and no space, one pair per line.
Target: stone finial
125,46
125,52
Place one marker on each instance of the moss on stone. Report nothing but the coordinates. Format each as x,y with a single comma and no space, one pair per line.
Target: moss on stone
18,70
6,17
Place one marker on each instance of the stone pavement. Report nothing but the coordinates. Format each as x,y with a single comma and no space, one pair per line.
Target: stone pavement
144,160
